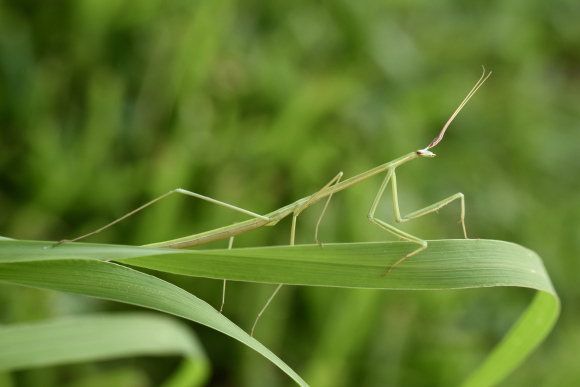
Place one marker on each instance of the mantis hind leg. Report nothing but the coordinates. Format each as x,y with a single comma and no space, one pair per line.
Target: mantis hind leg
178,190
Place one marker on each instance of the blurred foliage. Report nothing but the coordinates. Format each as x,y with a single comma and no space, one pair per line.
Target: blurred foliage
107,104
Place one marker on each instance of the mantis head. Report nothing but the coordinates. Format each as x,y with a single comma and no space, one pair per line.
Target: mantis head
425,152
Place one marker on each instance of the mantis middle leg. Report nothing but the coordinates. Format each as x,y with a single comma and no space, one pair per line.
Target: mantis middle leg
297,212
230,244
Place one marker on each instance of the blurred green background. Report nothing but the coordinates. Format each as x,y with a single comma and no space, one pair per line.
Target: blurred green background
106,104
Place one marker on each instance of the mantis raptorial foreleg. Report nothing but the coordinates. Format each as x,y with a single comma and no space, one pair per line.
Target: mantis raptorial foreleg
314,198
178,190
392,177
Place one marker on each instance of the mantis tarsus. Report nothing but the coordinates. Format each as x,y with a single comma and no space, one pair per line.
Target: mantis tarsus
327,191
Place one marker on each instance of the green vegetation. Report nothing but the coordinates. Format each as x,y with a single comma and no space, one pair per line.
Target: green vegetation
99,337
455,264
105,105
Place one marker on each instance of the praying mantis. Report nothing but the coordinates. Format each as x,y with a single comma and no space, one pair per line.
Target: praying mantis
294,209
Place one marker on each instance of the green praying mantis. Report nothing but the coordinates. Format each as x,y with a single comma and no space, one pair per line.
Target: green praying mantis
294,209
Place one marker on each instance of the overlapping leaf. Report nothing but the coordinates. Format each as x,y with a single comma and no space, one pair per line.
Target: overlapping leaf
104,337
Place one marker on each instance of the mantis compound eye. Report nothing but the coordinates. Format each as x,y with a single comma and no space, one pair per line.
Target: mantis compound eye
425,153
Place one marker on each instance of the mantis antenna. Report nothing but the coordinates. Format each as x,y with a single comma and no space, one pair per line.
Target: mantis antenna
477,86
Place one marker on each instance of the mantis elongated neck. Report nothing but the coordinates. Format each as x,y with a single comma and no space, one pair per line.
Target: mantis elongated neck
370,173
287,210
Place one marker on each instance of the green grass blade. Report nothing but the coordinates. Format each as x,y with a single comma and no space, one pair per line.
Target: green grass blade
530,330
446,264
103,337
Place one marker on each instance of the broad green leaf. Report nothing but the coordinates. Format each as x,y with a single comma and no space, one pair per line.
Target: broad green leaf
446,264
100,337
